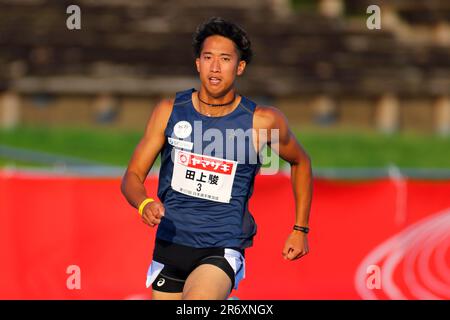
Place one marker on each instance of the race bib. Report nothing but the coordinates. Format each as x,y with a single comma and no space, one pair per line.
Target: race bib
203,176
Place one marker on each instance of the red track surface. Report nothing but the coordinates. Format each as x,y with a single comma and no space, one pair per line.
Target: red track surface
50,223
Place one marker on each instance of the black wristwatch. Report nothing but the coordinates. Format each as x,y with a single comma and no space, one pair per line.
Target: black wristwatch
302,229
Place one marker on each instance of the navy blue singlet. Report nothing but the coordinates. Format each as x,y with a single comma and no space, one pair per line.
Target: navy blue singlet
208,167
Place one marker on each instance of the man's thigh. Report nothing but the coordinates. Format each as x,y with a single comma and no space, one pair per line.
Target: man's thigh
168,284
159,295
207,282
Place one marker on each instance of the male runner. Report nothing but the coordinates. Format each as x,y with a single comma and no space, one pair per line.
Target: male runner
204,225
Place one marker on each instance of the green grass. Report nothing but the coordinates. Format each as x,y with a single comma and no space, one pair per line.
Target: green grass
327,148
107,146
369,149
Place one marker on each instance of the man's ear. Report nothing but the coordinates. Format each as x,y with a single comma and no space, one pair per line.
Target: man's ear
197,63
241,67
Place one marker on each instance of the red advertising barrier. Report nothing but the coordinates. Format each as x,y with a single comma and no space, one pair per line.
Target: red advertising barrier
378,239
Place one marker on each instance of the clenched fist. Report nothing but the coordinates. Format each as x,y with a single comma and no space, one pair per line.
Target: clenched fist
296,246
153,213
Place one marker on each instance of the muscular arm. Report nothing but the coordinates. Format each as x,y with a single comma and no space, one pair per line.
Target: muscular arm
145,153
291,151
301,171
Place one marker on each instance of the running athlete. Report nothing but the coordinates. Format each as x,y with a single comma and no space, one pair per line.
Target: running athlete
208,166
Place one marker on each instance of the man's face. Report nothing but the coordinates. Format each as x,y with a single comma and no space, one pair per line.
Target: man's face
219,65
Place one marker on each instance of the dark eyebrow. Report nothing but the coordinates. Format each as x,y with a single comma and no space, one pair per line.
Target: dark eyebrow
222,54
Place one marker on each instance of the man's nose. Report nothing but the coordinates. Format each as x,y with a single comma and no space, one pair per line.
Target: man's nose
215,65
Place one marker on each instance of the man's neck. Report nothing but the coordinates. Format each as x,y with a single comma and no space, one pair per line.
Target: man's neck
224,100
216,111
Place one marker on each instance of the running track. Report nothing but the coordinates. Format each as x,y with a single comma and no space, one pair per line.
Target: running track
403,227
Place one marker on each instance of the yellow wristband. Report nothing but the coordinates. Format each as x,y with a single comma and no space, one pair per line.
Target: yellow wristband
143,204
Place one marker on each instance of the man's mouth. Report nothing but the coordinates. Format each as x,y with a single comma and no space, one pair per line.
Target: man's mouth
214,80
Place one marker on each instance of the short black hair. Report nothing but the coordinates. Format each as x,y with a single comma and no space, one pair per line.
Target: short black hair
219,26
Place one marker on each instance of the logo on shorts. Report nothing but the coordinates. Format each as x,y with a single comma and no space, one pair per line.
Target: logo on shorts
161,282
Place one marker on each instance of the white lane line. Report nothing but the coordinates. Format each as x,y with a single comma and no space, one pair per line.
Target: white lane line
401,189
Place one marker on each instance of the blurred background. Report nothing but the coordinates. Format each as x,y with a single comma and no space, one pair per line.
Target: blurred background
372,108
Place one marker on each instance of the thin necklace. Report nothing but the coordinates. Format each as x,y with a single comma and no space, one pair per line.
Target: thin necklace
218,104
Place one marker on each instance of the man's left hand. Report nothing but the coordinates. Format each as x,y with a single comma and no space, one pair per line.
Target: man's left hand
296,245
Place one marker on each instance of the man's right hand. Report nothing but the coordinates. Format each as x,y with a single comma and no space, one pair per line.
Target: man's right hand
153,213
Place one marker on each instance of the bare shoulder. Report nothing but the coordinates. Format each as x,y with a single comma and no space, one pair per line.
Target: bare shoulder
163,108
159,117
268,117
